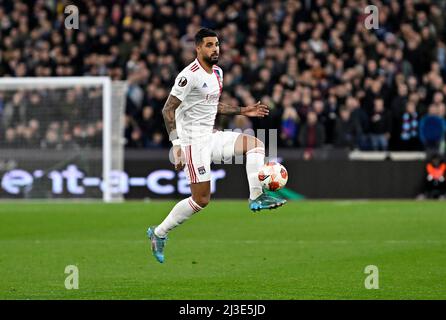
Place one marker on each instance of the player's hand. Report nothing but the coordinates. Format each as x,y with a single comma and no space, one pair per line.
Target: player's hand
256,110
178,158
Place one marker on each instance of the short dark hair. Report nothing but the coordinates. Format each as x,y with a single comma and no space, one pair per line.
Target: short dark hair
203,33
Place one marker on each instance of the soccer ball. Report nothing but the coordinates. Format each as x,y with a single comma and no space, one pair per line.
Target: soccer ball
273,176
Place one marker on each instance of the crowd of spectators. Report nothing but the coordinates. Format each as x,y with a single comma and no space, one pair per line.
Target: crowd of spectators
328,80
52,119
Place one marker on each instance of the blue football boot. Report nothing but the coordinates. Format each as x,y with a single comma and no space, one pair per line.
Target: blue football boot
265,201
157,244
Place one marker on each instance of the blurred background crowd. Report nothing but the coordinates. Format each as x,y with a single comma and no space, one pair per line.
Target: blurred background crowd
329,81
52,119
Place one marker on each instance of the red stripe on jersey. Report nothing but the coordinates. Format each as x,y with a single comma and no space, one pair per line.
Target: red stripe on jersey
192,175
200,64
218,80
188,164
192,164
194,67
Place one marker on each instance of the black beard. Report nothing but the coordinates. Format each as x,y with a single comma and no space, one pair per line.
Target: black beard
209,60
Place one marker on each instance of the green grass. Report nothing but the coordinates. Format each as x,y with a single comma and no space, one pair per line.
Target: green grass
305,250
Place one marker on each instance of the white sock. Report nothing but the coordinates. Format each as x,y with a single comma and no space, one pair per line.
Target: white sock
182,211
255,158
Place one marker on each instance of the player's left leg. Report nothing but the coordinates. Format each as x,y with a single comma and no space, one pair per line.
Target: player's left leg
197,169
254,150
181,212
226,144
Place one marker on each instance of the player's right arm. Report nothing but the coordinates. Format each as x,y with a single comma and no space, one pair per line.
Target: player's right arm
169,108
182,87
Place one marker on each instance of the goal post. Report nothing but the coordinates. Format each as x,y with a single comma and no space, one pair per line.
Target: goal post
61,137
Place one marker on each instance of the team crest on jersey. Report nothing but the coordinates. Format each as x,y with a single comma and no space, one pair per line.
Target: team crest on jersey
201,170
182,82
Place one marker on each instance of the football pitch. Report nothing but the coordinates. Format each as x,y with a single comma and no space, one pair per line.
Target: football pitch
304,250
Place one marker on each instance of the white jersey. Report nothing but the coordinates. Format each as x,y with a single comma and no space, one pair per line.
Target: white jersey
199,93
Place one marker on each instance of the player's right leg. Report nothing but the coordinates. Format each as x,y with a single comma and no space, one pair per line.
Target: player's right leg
197,168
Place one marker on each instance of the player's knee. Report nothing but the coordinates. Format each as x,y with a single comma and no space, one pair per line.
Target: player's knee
202,200
254,143
259,144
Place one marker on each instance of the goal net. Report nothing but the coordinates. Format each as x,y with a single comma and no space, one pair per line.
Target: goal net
61,137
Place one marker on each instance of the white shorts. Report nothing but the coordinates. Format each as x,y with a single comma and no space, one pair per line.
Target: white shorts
218,148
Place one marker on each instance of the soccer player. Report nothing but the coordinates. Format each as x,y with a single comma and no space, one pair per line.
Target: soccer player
189,115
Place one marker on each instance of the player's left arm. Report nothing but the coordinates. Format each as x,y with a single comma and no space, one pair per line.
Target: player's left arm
256,110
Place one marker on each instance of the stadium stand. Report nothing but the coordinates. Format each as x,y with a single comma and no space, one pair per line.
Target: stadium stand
363,89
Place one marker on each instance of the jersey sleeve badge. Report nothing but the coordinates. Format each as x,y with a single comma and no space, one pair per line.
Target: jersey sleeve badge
182,82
